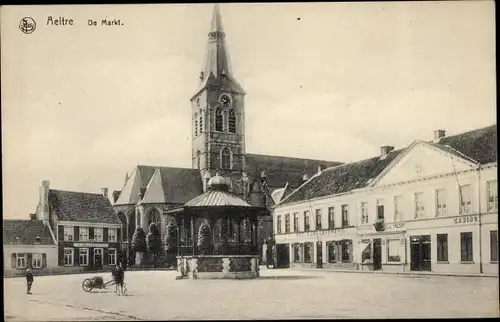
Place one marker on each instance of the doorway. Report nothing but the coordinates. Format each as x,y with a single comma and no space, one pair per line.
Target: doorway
319,255
98,258
282,256
420,250
377,254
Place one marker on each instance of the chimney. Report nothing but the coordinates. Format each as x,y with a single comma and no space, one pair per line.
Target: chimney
44,202
439,134
384,150
320,168
104,192
32,216
202,75
305,177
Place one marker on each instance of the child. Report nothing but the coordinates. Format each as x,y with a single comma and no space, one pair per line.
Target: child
29,280
118,276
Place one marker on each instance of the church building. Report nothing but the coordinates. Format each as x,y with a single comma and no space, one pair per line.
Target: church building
217,146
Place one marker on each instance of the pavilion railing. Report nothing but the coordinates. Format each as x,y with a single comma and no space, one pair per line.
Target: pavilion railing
228,249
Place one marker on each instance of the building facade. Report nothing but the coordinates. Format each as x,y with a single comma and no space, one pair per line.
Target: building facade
432,206
85,226
27,244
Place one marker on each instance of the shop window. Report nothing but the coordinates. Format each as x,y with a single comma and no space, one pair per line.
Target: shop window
68,256
442,247
393,247
296,253
308,249
466,247
334,248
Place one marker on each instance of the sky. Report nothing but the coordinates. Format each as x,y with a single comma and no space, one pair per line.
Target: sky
83,105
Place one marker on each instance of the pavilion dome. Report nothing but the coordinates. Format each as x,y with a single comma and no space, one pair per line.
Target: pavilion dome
219,183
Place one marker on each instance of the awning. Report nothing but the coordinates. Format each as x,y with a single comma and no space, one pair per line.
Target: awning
360,248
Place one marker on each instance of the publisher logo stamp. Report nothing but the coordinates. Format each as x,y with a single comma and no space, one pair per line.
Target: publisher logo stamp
27,25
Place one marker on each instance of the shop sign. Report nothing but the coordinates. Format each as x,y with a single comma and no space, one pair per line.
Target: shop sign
322,232
466,219
395,225
91,245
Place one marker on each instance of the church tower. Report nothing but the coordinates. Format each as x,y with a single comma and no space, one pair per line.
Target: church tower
218,114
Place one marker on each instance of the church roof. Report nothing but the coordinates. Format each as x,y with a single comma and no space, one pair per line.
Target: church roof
178,185
479,145
82,207
25,232
282,170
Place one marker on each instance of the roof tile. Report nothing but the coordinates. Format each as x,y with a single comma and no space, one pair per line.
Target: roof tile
24,232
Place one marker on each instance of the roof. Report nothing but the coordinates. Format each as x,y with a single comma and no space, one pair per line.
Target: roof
342,178
217,198
282,170
24,232
82,207
478,145
179,185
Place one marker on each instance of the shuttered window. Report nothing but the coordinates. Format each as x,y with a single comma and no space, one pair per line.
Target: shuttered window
466,247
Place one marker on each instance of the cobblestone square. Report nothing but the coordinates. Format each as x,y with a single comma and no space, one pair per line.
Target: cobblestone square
278,294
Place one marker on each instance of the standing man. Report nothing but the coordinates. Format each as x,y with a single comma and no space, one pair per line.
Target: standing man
29,280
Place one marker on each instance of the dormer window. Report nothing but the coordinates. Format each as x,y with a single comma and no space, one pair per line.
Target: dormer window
38,239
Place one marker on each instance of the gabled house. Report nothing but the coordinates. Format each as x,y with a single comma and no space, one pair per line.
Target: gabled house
87,230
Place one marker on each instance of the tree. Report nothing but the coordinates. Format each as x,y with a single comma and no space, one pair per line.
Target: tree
204,238
171,242
154,241
139,242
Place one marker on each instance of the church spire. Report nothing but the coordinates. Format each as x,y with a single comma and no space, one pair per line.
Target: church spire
216,25
216,70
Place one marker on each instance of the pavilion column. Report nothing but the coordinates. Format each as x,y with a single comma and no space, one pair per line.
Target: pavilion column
192,233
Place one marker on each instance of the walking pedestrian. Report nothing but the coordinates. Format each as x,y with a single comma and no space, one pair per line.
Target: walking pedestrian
29,281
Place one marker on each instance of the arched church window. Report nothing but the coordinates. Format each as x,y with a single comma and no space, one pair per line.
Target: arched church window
154,217
195,124
201,122
225,158
232,121
218,120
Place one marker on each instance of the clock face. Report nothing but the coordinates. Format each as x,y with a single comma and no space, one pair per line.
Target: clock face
225,100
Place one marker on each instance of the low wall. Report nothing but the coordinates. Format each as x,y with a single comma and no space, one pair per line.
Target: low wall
219,266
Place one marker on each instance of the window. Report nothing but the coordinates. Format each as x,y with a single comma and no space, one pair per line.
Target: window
278,224
296,221
366,255
380,209
466,247
98,235
319,216
492,195
195,124
225,158
232,121
84,234
201,122
442,247
419,205
331,217
398,208
83,256
465,199
346,250
306,221
218,120
112,256
494,245
296,253
364,212
112,235
393,246
345,216
440,202
36,260
308,249
20,260
287,223
68,233
68,256
334,248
